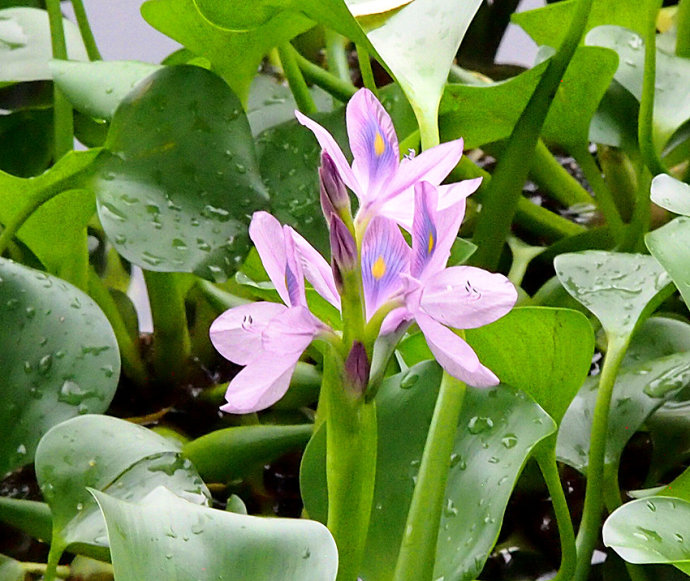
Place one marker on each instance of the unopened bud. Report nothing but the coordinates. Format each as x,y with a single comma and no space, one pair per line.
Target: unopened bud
334,198
357,367
343,250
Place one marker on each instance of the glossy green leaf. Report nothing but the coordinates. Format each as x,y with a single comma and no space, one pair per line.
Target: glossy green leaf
105,453
56,231
235,54
657,337
670,245
639,391
546,25
26,142
497,430
615,121
167,537
96,88
25,47
549,356
618,288
671,99
231,453
29,516
60,358
669,429
11,570
670,193
178,179
654,530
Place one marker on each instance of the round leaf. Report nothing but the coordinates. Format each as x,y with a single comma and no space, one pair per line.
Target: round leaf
672,194
178,179
105,453
166,537
670,245
60,358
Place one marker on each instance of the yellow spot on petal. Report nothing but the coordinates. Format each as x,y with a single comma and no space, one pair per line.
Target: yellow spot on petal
379,145
430,246
378,269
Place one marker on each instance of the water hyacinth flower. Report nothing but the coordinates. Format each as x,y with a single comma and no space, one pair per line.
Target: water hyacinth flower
382,182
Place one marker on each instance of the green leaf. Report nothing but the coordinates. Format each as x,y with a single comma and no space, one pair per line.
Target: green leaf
25,47
178,178
166,537
11,570
657,337
670,245
29,516
26,141
497,430
620,289
669,429
671,100
96,88
545,25
615,122
654,530
638,392
224,455
105,453
549,357
235,54
670,193
60,358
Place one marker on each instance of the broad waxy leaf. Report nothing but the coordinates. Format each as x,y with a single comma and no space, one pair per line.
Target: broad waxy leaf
651,530
657,337
11,570
618,288
235,54
96,88
639,391
670,245
167,537
107,454
178,178
549,356
496,432
370,7
671,99
25,47
670,193
59,358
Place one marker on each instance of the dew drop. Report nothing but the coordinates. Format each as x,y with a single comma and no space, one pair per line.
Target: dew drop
509,441
479,424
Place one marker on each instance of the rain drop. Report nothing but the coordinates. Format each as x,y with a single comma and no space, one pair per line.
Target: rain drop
509,441
479,424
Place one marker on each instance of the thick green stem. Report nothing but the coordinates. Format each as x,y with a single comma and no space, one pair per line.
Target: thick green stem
620,175
645,122
683,29
336,56
639,224
553,177
591,516
57,547
62,109
502,195
365,69
603,194
543,222
61,572
293,74
171,342
341,90
350,464
418,548
546,458
132,364
85,30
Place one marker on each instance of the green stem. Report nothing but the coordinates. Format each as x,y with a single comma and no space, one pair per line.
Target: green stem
553,177
336,55
293,74
546,458
132,364
365,69
85,30
350,464
418,548
603,194
502,195
62,109
57,547
171,342
621,178
523,254
220,300
543,222
683,29
639,224
40,569
645,127
341,90
591,516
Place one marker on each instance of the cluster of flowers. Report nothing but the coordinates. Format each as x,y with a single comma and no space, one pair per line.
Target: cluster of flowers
398,284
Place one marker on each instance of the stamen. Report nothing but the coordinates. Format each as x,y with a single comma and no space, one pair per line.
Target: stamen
247,322
378,269
472,291
379,145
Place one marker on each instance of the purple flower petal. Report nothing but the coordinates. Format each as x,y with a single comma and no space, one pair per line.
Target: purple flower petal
465,297
454,354
424,234
316,270
236,334
267,235
385,256
395,319
373,142
294,277
261,383
291,331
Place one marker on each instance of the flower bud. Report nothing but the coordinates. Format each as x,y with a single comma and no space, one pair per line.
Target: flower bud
357,367
334,198
343,250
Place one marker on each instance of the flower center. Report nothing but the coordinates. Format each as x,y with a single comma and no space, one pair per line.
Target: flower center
379,145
